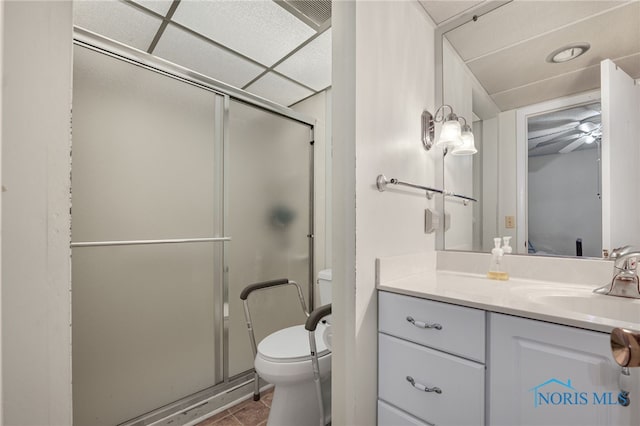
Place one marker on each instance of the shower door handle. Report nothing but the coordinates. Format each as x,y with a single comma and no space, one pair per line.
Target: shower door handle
147,242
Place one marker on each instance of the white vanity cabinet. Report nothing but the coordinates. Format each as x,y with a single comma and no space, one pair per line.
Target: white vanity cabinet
548,374
431,362
533,372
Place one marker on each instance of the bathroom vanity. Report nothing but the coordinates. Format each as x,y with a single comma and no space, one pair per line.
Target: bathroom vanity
459,349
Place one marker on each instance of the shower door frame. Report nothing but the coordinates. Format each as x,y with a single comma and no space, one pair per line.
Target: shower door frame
224,383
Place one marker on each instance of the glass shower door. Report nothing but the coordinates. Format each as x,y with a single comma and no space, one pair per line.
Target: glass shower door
147,171
270,159
163,172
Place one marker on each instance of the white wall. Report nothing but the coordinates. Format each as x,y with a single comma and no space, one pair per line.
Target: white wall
507,175
383,77
319,106
489,183
1,191
458,170
563,203
36,113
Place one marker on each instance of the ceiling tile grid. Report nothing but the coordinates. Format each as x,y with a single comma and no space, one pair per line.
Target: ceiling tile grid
311,65
232,41
180,47
118,21
279,89
259,29
161,7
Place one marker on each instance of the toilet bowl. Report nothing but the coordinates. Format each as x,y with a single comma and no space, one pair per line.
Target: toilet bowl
284,359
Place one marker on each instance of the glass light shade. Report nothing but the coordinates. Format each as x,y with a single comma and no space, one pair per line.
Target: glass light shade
589,139
450,134
468,146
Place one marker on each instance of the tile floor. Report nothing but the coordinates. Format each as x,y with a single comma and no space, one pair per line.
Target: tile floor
247,413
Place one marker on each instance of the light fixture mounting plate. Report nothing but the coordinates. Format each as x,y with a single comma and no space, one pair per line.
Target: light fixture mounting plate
428,130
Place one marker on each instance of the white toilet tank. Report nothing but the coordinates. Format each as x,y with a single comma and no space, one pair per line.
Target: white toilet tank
324,287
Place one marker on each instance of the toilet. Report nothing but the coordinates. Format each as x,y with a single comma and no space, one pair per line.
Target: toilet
284,360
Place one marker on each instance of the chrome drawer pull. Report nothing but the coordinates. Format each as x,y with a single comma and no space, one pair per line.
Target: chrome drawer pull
423,387
421,324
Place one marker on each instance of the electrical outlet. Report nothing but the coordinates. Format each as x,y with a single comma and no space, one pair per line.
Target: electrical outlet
509,221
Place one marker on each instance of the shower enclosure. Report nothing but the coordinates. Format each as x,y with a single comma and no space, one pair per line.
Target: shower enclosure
183,193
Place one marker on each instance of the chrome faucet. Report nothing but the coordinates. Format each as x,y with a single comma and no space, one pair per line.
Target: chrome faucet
625,281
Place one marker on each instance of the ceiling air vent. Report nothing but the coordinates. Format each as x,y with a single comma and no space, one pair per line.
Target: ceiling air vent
313,12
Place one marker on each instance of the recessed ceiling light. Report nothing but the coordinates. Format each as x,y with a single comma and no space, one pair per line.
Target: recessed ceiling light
568,53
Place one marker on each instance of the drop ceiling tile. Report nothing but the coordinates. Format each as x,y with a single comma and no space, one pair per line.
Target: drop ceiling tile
161,7
278,89
117,21
179,46
311,65
259,29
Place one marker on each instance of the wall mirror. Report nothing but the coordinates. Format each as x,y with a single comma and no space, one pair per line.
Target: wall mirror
557,136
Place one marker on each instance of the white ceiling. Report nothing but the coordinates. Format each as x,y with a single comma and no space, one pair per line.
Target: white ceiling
506,48
280,50
443,10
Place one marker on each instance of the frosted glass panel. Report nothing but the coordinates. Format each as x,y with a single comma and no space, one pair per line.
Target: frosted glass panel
279,89
143,153
259,29
311,65
180,47
268,220
145,162
142,328
118,21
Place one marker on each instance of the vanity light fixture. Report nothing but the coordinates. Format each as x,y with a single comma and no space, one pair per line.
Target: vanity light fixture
468,146
452,135
568,53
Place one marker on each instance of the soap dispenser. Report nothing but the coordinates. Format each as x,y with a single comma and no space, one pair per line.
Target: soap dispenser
506,249
495,268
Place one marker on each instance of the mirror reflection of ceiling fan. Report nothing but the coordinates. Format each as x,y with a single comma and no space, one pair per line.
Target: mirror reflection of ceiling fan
564,131
590,135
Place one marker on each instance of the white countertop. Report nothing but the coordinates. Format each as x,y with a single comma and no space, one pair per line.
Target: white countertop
567,304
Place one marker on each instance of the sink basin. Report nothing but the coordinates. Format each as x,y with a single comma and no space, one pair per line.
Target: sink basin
618,308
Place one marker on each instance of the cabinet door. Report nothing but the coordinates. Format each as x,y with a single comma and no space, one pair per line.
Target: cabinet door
548,374
388,415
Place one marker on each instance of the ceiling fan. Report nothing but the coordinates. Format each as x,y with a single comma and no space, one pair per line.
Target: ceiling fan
591,133
548,131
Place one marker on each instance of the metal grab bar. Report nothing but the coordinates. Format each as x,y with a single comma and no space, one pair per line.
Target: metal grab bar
244,296
382,182
310,325
143,242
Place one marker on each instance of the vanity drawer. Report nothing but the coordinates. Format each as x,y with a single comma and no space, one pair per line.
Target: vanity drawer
461,382
462,329
391,416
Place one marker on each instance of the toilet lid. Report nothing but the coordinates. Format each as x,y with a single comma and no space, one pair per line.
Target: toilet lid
291,344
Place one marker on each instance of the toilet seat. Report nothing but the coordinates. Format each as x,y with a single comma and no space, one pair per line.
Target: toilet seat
292,344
